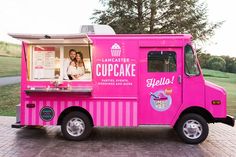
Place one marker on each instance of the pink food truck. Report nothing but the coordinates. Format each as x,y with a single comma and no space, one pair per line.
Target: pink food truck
81,81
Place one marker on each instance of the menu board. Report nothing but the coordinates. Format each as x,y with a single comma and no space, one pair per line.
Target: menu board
43,62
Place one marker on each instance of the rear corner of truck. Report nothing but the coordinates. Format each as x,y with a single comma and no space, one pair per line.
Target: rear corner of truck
17,124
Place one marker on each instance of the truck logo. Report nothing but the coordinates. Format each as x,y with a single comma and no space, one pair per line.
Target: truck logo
47,113
115,50
160,101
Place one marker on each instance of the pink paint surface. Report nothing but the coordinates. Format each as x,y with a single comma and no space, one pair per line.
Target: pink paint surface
122,98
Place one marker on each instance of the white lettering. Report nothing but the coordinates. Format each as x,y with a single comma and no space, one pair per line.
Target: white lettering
110,69
122,70
98,73
116,70
160,82
133,70
116,66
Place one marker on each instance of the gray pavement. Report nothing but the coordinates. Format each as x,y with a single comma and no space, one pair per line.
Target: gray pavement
9,80
121,142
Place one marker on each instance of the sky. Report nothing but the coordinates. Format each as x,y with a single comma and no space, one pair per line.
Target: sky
65,16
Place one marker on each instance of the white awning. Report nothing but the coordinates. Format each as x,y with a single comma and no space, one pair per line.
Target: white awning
53,38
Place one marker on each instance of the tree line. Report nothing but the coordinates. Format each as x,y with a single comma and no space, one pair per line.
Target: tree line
220,63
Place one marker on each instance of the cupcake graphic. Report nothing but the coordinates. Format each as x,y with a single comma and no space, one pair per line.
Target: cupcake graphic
160,101
115,50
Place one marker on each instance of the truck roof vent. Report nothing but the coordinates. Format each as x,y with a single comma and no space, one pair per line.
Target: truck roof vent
97,29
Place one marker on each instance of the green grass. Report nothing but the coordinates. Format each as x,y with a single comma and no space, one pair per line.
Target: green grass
10,97
9,66
213,73
227,81
8,49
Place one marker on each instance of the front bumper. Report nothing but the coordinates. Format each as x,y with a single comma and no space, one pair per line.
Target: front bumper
229,120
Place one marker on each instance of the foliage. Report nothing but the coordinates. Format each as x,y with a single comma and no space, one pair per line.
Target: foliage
157,16
216,63
230,64
203,59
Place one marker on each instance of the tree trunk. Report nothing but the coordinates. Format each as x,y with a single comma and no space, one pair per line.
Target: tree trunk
152,15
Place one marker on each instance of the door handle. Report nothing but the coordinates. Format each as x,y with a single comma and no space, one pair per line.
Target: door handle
179,79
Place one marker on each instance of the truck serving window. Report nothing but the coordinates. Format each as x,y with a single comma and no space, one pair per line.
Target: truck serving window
50,62
191,67
161,61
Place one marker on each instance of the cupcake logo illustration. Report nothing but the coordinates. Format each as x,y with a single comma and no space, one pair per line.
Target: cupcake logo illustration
115,50
160,101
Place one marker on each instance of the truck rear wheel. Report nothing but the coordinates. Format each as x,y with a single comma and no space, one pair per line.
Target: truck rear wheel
76,126
192,128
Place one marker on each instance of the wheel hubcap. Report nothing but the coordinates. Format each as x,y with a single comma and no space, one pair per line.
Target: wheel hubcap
75,126
192,129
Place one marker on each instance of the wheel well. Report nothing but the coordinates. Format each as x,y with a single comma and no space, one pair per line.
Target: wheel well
71,109
200,111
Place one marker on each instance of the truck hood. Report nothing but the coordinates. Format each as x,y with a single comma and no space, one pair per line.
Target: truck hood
215,87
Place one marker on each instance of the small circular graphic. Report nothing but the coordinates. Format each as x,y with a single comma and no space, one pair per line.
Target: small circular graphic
160,101
46,113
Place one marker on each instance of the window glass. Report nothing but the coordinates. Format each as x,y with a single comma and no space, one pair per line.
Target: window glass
77,63
161,61
60,62
191,67
45,62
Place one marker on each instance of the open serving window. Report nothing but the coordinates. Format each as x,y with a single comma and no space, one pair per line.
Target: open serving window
63,57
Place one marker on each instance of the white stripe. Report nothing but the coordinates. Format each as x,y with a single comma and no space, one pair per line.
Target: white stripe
40,107
105,113
77,103
55,112
113,113
34,113
26,113
98,113
69,103
63,105
84,104
120,114
49,105
134,113
127,114
91,108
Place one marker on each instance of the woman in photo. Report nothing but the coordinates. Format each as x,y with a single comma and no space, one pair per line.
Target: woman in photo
80,68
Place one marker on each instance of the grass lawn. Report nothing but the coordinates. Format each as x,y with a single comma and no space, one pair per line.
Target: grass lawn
227,81
10,97
9,66
9,49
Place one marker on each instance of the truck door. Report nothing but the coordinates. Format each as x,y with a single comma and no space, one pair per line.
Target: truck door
160,84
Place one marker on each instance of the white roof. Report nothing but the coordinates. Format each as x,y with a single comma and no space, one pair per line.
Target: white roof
52,38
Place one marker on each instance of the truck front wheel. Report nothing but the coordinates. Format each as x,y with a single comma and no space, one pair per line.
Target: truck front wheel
192,128
76,126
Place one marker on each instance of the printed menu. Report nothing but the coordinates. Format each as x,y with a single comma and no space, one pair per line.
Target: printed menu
43,62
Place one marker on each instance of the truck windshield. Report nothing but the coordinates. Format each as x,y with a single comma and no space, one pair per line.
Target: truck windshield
191,67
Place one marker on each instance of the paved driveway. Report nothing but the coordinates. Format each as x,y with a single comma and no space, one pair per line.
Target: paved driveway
9,80
133,142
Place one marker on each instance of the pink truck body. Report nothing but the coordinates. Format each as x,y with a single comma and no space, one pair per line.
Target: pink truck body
122,91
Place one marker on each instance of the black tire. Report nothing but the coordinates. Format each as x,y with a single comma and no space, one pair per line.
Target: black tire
201,131
82,119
